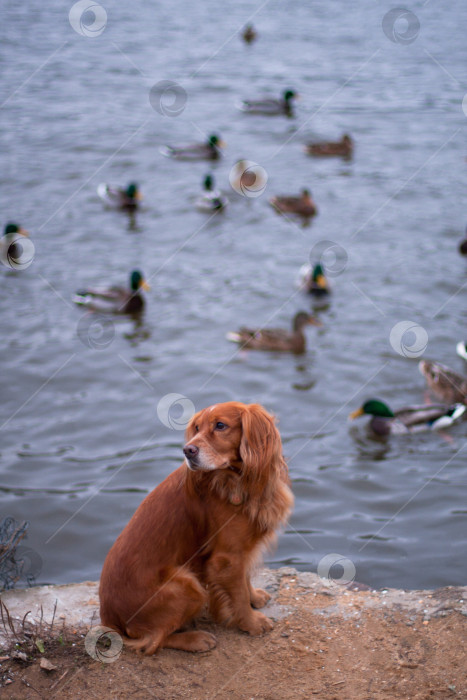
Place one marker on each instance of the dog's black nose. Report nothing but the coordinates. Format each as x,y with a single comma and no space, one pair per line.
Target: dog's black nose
190,451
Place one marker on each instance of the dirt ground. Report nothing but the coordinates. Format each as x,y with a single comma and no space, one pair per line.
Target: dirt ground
326,643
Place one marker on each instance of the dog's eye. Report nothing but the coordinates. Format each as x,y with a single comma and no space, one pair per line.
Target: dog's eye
220,426
196,428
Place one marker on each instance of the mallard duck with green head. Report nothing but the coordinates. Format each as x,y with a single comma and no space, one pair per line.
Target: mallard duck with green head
211,199
11,249
303,205
118,198
343,148
270,106
115,300
276,339
410,419
446,384
314,281
210,150
249,34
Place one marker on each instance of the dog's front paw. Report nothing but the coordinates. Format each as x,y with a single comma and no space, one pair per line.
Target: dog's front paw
259,598
257,624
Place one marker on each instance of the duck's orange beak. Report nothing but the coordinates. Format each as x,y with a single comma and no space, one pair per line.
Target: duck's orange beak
145,286
23,232
356,414
322,282
314,321
138,196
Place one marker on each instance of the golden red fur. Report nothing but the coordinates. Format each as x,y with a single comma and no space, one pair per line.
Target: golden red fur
194,540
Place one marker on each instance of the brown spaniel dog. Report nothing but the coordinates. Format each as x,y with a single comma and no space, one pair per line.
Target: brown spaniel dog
194,540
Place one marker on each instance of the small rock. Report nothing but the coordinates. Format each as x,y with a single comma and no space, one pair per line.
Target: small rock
19,655
47,665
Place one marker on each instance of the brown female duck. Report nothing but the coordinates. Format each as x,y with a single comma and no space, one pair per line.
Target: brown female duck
342,148
276,339
303,205
444,382
249,34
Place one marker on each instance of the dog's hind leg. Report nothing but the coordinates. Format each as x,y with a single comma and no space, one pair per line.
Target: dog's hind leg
176,602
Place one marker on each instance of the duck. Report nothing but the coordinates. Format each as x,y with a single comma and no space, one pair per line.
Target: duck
210,150
270,106
118,198
314,281
461,349
463,245
446,384
410,419
211,199
276,339
10,244
302,205
343,148
249,34
117,300
11,233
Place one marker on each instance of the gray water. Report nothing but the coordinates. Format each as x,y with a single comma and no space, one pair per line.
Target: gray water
81,440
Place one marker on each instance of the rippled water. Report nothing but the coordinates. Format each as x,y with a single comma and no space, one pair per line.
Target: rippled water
81,440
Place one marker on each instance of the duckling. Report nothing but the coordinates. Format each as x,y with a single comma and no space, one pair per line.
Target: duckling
446,384
270,106
303,205
249,34
127,199
461,349
10,245
313,280
117,300
411,419
196,151
343,148
276,339
211,199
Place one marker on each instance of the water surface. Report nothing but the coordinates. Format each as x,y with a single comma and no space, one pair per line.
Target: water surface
81,440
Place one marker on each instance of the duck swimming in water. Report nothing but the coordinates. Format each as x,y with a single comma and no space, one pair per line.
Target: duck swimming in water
196,151
211,199
410,419
463,246
127,199
446,384
11,248
461,349
276,339
303,205
249,35
270,106
343,148
313,280
115,300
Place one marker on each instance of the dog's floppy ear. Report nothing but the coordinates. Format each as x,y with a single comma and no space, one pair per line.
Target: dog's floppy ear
260,447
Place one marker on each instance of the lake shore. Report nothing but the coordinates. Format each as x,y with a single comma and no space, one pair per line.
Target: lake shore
329,641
